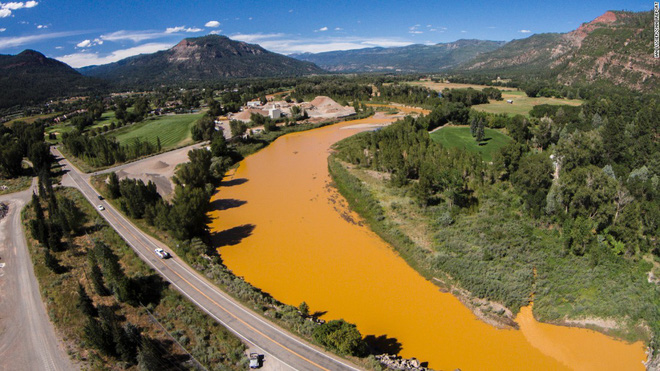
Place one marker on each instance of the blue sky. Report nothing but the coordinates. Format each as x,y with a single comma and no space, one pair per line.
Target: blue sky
89,32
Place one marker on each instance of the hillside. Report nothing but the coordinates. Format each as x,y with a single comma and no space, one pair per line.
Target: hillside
31,77
617,46
209,57
412,58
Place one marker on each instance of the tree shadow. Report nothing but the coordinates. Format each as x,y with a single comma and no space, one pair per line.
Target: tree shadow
383,344
318,314
233,182
484,141
232,236
148,289
226,203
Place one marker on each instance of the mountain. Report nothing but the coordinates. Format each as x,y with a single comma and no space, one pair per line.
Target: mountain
617,46
411,58
31,77
211,57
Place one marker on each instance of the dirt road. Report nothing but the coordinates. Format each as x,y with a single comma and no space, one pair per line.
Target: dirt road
27,337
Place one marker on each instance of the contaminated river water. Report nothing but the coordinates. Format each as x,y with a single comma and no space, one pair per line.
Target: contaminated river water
287,231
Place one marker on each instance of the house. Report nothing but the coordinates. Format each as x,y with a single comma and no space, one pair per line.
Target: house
254,103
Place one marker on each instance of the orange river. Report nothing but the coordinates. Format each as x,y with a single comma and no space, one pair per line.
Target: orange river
282,230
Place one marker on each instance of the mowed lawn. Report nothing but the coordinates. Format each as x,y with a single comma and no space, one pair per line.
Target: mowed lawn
522,104
459,136
173,130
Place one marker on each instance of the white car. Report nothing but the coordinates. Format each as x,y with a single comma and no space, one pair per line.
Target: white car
162,253
100,207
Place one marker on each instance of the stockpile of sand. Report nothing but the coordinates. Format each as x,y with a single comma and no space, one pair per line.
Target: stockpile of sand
323,106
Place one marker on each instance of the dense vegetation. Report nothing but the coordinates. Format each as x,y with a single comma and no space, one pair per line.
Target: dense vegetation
107,303
586,221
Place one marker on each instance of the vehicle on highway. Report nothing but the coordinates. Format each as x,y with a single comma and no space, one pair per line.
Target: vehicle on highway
100,207
100,197
255,360
162,253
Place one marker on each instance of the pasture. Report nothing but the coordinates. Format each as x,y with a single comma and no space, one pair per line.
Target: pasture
459,136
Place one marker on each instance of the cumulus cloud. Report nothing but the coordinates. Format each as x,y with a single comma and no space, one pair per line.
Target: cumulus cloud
89,43
415,32
215,32
86,58
7,8
338,29
212,24
182,29
40,26
3,29
524,31
322,29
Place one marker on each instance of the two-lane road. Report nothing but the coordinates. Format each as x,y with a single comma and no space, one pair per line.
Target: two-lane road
259,333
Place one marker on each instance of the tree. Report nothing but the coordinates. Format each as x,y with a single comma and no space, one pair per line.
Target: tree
219,145
96,276
51,262
85,303
340,336
303,308
204,129
480,132
11,160
113,185
533,180
149,356
237,128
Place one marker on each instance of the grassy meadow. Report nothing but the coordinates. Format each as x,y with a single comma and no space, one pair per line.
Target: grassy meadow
173,130
522,104
459,136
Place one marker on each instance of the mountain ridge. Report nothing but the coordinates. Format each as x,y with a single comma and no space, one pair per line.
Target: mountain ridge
410,58
205,58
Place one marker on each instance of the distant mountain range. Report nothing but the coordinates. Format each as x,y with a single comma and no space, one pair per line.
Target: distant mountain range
411,58
31,77
204,58
617,46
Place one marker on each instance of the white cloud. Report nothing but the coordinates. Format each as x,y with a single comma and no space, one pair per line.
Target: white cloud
7,8
414,32
135,36
249,19
182,29
322,29
10,42
463,31
59,47
215,32
89,43
286,44
40,26
85,58
3,29
212,24
338,29
433,30
524,31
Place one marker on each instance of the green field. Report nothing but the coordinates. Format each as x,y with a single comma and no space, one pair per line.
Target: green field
107,118
459,136
522,104
173,130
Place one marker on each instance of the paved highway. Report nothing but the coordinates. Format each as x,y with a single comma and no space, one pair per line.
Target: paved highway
254,330
27,337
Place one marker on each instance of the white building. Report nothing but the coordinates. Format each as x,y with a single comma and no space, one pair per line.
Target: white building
274,113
